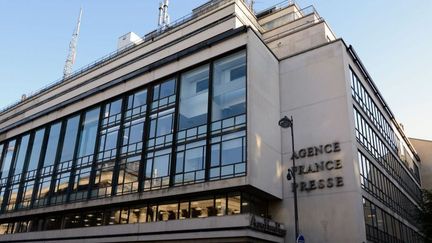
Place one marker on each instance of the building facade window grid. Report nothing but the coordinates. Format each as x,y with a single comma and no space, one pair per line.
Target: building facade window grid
381,227
73,179
377,148
221,204
366,103
378,185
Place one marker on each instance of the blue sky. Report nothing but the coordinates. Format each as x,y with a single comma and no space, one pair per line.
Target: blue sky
392,38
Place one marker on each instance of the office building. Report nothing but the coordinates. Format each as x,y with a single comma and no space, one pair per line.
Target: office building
175,136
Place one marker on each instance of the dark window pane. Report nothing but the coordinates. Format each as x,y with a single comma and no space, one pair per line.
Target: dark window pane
7,161
36,149
88,135
70,139
22,152
53,141
167,89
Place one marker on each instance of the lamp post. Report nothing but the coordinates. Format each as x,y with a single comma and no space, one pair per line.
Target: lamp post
286,122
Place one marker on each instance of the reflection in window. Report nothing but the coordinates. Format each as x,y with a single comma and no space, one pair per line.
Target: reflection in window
161,128
70,138
190,162
53,141
29,183
229,87
36,152
88,133
7,161
228,155
17,168
157,169
194,98
164,94
128,175
5,167
22,152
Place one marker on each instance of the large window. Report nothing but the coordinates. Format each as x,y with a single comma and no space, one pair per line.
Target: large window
30,175
107,152
176,209
64,168
187,128
382,227
44,181
87,144
17,170
376,183
194,98
229,87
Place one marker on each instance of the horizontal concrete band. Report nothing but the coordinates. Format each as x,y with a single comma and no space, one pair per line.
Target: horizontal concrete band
233,226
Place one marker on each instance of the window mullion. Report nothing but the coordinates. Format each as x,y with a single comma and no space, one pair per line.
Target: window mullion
209,123
95,152
120,139
175,130
25,168
57,160
145,138
75,156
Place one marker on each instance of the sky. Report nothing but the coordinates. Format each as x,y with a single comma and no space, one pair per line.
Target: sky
392,37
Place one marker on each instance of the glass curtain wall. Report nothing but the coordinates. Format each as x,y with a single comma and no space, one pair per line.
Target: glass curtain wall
228,142
192,126
185,129
107,140
27,187
159,145
16,171
132,142
64,168
85,155
46,172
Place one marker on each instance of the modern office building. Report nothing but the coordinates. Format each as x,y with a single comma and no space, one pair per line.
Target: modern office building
175,136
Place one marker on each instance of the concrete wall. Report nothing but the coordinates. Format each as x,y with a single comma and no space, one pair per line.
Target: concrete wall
304,38
219,229
314,90
263,135
424,149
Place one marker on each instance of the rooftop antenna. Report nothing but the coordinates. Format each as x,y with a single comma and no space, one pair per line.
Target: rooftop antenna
161,14
164,19
67,71
251,5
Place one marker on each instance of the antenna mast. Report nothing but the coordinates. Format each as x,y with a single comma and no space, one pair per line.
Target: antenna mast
67,71
164,19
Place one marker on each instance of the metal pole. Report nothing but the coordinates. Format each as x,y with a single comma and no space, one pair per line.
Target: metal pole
295,183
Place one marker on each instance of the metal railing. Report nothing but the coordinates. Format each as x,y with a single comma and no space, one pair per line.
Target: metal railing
211,5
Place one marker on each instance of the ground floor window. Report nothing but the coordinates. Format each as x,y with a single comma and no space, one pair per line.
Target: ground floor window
152,211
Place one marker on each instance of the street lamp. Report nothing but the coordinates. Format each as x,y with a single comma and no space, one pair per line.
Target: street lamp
286,122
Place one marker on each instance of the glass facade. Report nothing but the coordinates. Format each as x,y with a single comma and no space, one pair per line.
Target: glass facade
384,173
378,120
187,128
382,227
153,211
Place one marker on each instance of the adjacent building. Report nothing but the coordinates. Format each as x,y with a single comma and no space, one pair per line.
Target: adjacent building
175,136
